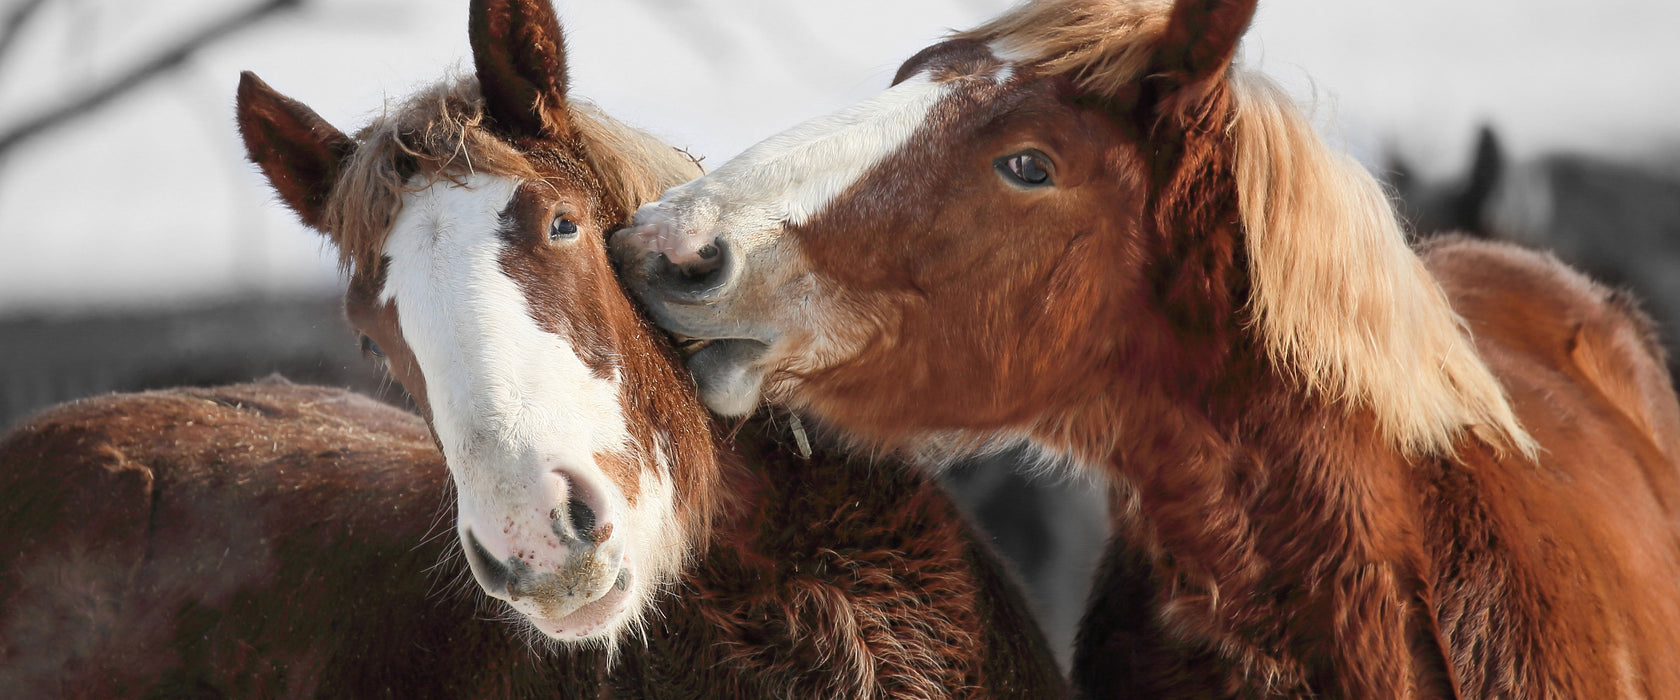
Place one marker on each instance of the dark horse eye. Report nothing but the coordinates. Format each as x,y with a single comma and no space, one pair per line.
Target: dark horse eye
371,348
562,228
1024,169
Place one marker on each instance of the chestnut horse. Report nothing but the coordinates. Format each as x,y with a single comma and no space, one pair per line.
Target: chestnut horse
472,221
279,540
1342,466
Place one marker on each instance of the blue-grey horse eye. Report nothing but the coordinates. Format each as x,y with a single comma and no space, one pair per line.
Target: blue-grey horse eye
371,348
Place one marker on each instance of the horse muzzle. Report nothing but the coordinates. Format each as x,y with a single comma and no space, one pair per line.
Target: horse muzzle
555,559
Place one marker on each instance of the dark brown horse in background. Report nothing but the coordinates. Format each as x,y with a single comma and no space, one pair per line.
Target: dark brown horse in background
277,541
1343,467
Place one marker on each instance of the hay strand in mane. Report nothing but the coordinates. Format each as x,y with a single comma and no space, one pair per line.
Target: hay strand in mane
1341,299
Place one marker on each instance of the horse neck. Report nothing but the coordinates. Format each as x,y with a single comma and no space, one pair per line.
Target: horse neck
1241,484
1267,530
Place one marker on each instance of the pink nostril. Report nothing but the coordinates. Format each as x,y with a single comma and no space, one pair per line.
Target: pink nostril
582,516
700,268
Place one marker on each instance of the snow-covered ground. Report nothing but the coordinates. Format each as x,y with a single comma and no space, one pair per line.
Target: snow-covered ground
149,201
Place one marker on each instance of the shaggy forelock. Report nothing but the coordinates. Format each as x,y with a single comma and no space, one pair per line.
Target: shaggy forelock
440,133
1102,45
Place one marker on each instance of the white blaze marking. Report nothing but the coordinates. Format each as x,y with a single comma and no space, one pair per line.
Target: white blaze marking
507,397
790,177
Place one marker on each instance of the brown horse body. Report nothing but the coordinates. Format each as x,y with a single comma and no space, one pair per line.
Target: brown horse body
1470,602
277,540
1342,467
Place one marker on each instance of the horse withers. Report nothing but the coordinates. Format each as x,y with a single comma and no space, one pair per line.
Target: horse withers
1340,467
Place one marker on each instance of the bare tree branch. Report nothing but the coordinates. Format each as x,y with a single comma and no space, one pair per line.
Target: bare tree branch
140,73
12,25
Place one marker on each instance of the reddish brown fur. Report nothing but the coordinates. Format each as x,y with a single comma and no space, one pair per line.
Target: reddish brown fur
1270,540
821,579
275,540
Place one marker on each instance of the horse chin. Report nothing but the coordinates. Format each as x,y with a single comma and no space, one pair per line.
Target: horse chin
603,620
728,374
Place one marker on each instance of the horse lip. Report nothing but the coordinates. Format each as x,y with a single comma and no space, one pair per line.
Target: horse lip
590,617
739,350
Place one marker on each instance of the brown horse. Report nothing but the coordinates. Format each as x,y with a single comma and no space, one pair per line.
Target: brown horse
1341,467
472,221
278,540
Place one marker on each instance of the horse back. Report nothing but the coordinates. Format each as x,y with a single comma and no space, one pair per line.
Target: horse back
1563,572
265,540
277,540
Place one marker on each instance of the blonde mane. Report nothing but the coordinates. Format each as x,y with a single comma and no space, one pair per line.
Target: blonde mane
1101,45
1339,298
439,134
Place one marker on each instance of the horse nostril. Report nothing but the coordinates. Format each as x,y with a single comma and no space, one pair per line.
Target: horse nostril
582,517
492,575
698,272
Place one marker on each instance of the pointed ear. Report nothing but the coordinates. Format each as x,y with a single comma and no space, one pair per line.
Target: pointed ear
520,57
1199,44
298,150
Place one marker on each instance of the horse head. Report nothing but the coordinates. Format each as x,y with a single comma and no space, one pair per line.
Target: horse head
472,223
1080,209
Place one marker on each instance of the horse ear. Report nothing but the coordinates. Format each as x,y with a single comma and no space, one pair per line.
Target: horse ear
1487,167
520,58
1199,43
298,150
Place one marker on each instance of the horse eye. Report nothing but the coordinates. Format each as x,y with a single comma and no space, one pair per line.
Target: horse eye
562,228
1024,169
371,348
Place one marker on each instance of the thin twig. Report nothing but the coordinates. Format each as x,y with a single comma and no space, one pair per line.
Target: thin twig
12,26
141,73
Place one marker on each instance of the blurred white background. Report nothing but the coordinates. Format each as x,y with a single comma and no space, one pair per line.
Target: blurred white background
147,200
138,249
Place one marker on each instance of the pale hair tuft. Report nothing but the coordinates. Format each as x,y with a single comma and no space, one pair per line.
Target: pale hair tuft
1101,45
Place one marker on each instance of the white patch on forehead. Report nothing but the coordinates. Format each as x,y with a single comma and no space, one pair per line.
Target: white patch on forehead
1010,53
790,177
503,392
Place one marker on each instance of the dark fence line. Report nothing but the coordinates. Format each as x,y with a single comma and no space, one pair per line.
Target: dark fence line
47,359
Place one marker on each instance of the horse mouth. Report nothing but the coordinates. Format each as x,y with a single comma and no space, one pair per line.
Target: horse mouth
602,615
739,350
689,346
